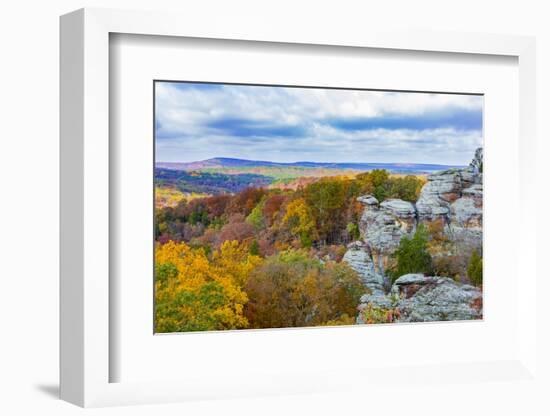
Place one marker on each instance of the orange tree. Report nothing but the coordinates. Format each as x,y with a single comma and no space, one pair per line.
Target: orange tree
291,289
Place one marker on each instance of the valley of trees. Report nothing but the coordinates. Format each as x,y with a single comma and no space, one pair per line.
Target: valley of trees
269,258
264,258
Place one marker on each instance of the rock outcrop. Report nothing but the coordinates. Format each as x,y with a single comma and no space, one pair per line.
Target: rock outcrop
447,189
477,162
382,227
472,196
360,260
442,189
419,298
454,197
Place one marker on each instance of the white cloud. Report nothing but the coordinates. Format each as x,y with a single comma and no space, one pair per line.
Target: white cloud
203,122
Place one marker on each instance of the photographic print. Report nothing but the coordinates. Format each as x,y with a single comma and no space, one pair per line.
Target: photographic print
282,206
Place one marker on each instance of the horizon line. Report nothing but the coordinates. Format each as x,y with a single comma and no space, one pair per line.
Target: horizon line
309,161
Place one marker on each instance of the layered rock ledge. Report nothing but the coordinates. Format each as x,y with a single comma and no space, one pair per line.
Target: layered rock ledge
419,298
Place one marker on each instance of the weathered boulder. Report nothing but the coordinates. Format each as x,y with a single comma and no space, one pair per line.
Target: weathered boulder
360,260
411,279
400,209
368,200
424,299
455,196
419,298
384,224
442,189
467,211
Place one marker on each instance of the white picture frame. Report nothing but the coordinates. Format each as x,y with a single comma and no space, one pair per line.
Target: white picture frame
85,212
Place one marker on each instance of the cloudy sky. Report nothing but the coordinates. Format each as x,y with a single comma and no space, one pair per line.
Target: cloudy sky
200,121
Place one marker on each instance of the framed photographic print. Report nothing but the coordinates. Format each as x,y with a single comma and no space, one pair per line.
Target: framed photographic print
277,213
280,207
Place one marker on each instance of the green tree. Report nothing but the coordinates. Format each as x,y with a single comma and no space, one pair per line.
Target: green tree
198,215
379,183
326,199
256,217
254,248
192,310
165,272
353,230
375,182
475,268
412,255
406,188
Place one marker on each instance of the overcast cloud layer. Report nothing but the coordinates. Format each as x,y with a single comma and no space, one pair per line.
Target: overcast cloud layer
201,121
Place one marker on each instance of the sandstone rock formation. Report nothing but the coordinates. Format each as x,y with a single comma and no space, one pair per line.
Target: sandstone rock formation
447,188
477,162
437,299
360,260
419,298
442,189
454,197
383,225
467,211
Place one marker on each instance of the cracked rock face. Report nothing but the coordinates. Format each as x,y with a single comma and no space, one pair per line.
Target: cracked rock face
384,224
443,189
467,211
399,208
425,299
420,298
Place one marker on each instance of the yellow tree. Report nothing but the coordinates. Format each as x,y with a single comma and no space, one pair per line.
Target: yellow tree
300,220
234,261
194,293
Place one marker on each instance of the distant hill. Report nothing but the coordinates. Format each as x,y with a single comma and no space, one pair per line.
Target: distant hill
207,183
222,163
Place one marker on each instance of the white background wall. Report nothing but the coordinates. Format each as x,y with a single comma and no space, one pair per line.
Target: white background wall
29,58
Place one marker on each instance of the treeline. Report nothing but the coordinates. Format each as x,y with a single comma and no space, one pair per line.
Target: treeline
320,214
207,182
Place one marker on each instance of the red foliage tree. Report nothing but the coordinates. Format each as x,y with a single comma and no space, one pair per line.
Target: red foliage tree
272,207
239,231
216,205
245,201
